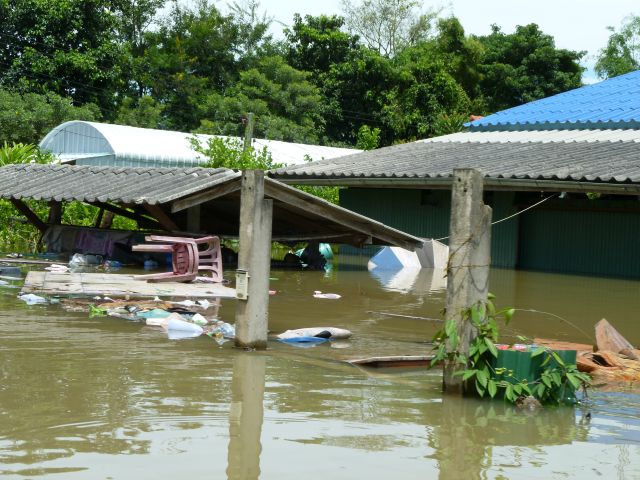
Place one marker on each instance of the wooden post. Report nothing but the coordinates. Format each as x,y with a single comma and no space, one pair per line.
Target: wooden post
248,131
193,219
246,417
55,213
254,257
469,261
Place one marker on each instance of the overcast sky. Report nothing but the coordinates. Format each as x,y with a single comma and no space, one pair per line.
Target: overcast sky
575,24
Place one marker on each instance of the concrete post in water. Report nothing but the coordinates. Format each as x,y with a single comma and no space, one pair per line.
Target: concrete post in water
254,258
246,417
469,260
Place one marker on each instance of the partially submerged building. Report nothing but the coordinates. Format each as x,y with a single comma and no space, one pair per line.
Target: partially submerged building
577,153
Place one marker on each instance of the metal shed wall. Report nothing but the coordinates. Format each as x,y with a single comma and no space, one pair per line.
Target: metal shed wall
590,242
566,236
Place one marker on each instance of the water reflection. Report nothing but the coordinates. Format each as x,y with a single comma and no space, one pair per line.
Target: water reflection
246,416
468,431
100,397
420,281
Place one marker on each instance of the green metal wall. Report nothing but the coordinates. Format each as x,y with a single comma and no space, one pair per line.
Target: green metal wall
573,235
587,242
426,213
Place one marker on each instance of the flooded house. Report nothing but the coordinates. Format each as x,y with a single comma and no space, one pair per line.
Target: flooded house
562,175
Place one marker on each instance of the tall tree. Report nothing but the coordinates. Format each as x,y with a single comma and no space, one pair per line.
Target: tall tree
194,52
622,52
316,43
28,117
286,104
69,47
524,66
388,26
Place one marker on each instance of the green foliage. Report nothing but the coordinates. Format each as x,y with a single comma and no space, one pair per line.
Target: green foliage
524,66
229,153
368,138
316,43
28,117
445,124
143,112
21,153
287,106
622,52
67,47
477,365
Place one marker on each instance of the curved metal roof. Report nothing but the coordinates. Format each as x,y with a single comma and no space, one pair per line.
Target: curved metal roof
612,103
102,144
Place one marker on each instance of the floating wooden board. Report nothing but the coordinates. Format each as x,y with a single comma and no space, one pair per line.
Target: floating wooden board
393,361
117,286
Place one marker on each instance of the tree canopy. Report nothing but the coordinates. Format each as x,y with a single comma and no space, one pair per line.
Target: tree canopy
622,52
388,71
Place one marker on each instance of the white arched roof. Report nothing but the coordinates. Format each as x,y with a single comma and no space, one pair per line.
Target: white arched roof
91,143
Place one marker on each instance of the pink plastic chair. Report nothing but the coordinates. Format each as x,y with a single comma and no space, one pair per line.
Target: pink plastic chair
187,258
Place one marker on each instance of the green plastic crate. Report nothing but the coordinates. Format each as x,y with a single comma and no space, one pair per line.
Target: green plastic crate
526,367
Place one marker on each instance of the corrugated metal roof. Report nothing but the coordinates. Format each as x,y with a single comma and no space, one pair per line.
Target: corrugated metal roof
107,184
612,103
542,136
91,143
590,161
297,215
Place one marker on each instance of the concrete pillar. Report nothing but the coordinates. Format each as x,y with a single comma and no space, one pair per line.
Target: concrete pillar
469,260
254,257
246,416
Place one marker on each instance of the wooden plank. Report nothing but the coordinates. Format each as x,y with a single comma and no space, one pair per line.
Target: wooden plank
393,361
32,217
199,198
608,338
353,221
118,285
142,221
160,215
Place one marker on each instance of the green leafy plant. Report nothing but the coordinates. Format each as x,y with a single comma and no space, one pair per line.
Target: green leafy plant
229,153
555,384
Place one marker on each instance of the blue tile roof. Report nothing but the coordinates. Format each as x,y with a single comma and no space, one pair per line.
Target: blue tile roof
612,103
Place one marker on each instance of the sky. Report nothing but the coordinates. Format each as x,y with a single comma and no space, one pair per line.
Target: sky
575,24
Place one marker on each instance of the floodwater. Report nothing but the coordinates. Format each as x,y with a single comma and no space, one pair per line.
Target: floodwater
104,398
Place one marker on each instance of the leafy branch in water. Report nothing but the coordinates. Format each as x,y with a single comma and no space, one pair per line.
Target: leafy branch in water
555,379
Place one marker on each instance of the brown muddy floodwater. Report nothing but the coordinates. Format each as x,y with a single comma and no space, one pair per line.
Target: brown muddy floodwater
105,398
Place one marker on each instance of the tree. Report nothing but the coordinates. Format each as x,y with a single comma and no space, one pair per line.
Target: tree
253,27
316,43
389,26
460,54
194,52
524,66
27,118
144,112
68,47
622,53
286,104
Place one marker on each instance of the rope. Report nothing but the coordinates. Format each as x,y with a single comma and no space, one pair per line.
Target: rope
510,216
